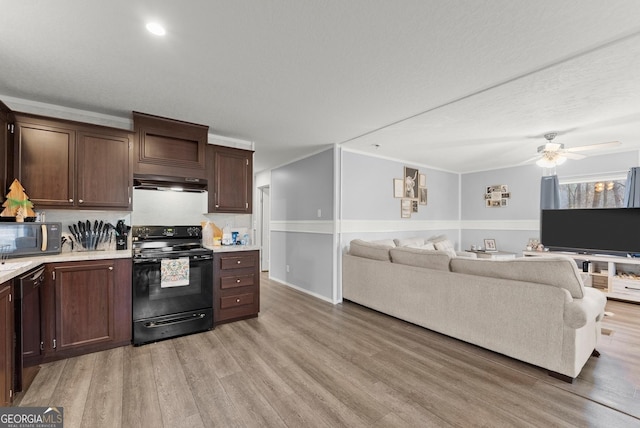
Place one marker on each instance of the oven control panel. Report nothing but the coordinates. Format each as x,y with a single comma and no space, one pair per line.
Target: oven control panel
140,233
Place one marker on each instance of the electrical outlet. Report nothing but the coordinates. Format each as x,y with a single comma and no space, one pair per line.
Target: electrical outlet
319,213
288,270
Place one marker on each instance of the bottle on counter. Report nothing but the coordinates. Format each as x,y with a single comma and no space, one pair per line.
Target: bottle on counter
246,240
226,235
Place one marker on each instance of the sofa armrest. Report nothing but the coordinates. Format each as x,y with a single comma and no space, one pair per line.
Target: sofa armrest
578,312
467,254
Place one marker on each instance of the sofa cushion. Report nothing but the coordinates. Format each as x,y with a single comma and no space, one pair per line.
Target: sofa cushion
416,240
388,242
429,259
369,250
557,271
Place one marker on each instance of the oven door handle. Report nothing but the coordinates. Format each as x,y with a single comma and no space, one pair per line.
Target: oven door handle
178,320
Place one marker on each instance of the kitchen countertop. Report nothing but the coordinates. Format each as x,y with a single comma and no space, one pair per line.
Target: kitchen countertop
231,248
24,264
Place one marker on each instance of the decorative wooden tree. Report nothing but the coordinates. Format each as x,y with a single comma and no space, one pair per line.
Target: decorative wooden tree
17,204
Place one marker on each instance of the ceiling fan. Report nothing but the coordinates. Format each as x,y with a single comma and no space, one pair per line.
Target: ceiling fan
552,154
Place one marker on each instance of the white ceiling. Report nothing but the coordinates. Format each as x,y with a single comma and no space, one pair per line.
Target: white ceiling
460,85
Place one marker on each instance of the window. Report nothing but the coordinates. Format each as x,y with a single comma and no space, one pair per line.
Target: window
593,192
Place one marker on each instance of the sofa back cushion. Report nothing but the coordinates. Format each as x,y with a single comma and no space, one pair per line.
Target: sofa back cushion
558,271
429,259
369,250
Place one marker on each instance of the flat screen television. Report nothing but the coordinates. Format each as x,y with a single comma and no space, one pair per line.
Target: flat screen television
613,231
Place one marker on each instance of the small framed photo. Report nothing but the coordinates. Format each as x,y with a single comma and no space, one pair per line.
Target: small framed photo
490,245
405,208
414,206
423,196
422,181
398,188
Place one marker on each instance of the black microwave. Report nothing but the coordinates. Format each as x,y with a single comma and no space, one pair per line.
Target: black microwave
30,239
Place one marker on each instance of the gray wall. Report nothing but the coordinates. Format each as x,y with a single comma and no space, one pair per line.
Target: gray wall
300,188
370,211
300,240
512,226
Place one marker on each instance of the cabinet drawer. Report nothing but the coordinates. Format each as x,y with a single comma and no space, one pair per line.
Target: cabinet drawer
237,300
601,282
236,281
237,262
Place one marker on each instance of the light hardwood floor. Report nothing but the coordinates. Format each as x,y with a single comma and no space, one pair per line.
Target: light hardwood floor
306,363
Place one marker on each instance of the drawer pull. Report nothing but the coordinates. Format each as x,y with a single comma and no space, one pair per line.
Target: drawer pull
238,262
237,300
238,281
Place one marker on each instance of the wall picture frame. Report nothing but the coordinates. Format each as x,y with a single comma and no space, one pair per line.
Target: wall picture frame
423,196
405,208
490,245
398,188
411,182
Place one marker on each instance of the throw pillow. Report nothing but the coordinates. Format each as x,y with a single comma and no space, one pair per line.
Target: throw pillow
427,246
444,245
409,241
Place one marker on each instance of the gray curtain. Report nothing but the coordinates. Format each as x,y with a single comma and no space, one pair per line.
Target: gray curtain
632,189
549,193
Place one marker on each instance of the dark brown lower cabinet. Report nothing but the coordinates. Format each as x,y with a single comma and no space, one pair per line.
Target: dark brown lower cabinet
6,344
236,289
86,307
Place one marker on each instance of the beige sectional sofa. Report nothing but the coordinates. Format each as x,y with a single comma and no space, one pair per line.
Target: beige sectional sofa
533,309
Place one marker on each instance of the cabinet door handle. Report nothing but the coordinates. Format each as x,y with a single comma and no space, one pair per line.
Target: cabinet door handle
110,267
55,345
80,201
42,346
70,199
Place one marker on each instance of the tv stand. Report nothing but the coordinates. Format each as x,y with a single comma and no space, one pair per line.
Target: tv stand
618,277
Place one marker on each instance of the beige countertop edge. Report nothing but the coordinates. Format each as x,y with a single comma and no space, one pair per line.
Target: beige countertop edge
62,257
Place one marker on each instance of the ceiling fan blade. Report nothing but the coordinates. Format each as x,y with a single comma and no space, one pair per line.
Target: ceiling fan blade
574,156
593,146
531,159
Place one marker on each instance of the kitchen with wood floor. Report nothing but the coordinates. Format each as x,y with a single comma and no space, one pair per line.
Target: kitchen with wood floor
112,237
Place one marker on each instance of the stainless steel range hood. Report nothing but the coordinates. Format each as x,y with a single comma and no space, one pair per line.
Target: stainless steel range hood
162,182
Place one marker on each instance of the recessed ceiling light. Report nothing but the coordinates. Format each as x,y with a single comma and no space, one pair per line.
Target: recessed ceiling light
155,28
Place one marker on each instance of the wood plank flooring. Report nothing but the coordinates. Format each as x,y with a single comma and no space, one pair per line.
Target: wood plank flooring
306,363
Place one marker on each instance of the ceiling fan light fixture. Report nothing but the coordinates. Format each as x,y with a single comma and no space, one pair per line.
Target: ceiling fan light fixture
560,160
545,162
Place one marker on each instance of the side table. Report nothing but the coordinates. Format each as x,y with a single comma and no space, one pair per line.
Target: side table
494,255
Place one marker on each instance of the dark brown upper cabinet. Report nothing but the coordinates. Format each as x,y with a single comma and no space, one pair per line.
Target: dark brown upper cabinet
169,147
230,179
65,164
5,120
